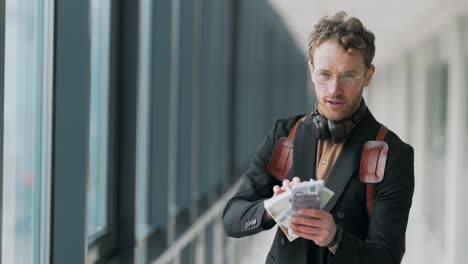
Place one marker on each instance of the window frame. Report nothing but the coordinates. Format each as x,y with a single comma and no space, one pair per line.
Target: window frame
102,246
108,140
70,131
2,63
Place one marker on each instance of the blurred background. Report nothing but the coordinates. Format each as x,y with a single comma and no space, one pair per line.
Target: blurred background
126,124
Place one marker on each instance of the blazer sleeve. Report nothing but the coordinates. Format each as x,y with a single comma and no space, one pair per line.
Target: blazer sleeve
385,242
243,213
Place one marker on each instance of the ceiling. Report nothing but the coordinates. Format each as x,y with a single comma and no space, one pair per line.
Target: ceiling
389,20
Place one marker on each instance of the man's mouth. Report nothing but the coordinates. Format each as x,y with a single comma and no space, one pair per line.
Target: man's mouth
334,104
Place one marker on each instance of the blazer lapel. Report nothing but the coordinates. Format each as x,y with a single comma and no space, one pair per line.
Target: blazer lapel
305,151
350,157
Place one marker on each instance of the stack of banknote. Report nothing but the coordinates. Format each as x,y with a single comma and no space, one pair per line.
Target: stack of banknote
307,194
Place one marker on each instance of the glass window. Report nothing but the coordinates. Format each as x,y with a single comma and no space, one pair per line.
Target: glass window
207,89
466,107
188,107
410,91
143,119
160,109
99,118
27,131
436,129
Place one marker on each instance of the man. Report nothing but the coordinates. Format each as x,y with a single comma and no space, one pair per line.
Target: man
328,145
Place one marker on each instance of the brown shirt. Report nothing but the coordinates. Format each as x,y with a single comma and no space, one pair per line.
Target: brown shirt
327,153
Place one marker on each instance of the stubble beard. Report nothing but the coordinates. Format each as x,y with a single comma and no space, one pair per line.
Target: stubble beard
348,109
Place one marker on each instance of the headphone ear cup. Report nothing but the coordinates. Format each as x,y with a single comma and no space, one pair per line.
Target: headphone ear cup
337,131
321,127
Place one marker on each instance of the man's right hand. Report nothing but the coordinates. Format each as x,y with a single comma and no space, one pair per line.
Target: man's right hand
277,190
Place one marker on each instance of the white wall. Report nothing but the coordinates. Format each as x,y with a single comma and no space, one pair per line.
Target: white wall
413,106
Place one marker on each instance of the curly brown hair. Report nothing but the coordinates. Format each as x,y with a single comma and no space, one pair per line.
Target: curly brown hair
348,32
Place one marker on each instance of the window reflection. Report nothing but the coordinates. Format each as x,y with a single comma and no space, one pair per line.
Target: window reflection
99,118
436,129
143,119
466,109
27,115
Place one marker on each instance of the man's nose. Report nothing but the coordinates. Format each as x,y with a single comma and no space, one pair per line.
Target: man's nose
334,86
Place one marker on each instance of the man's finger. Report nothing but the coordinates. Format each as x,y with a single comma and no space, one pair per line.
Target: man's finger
296,180
287,185
307,221
317,213
276,188
309,230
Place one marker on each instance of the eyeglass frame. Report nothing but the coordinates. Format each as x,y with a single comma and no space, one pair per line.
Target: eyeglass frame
339,78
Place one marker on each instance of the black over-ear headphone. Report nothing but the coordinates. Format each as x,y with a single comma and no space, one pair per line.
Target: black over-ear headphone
336,130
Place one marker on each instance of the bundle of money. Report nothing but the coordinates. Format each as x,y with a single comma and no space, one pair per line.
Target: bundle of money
279,207
311,194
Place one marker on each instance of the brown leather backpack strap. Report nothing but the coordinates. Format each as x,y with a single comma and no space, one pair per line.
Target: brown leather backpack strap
282,157
382,133
370,186
292,133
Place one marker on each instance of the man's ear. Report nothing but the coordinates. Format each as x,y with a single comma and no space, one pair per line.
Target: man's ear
311,67
369,74
311,70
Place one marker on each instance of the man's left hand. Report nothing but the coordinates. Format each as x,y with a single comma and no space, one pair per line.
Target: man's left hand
314,224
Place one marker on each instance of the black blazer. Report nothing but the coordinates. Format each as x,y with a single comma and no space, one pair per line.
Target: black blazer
380,240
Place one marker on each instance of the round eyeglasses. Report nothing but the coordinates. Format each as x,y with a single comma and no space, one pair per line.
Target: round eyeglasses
345,79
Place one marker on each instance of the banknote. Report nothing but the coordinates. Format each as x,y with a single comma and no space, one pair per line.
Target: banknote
277,204
283,222
307,194
279,207
327,194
